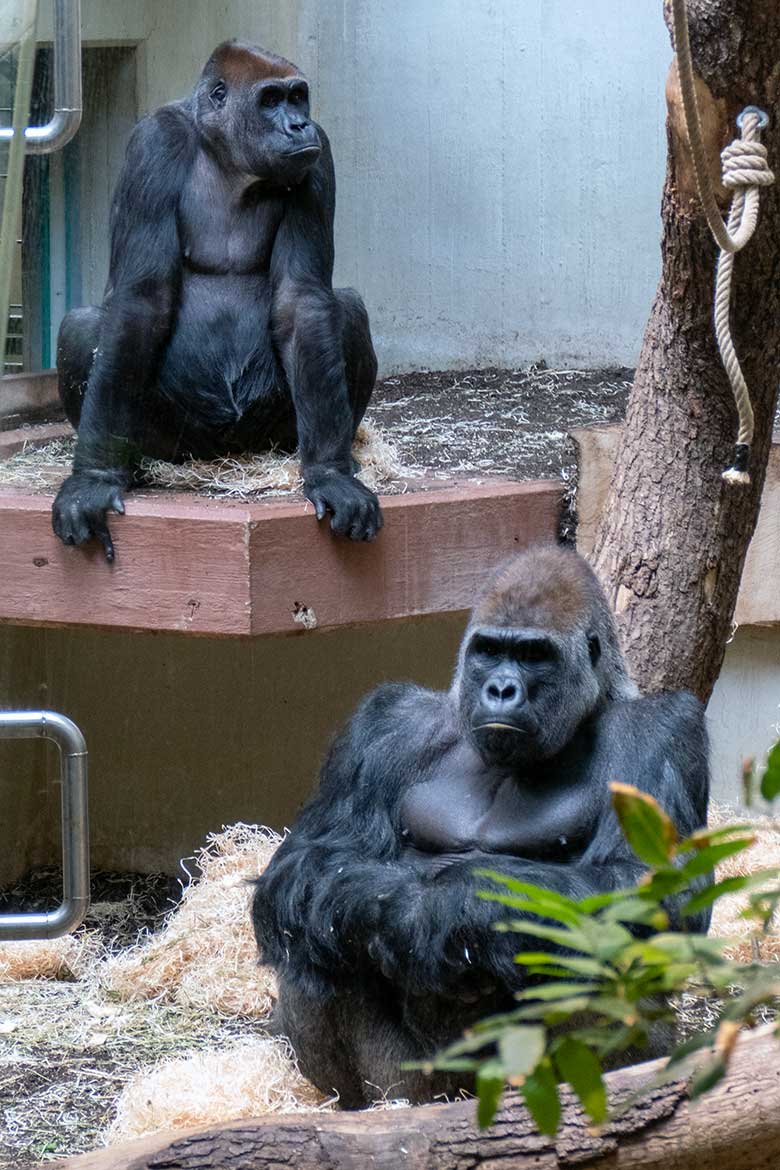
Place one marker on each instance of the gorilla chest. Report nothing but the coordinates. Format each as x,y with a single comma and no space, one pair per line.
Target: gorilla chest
227,227
465,807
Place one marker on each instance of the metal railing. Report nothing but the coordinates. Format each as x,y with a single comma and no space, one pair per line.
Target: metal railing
66,119
75,825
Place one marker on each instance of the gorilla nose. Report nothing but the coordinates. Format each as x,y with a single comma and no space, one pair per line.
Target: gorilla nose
503,694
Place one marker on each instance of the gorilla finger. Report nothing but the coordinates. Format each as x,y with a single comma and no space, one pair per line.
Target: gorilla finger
341,521
104,536
116,503
320,507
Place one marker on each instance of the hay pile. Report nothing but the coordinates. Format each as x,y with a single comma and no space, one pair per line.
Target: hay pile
66,958
42,468
249,1079
205,956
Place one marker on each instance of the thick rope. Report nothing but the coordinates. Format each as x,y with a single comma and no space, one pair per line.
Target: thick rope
745,171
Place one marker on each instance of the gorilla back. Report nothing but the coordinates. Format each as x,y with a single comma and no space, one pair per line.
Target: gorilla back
220,330
368,911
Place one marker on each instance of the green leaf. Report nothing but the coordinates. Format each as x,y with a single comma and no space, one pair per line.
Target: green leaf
490,1087
707,858
539,907
770,781
596,902
705,837
707,1078
521,1049
645,825
553,1012
572,939
559,990
579,965
631,910
711,894
540,1093
578,1065
528,889
609,939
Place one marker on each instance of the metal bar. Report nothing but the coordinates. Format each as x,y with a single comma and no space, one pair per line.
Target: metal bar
67,85
75,825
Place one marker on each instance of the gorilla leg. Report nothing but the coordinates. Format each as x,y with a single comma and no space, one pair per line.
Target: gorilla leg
359,357
76,344
357,1042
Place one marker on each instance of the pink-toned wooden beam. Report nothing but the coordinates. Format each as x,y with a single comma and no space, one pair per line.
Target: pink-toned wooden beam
223,568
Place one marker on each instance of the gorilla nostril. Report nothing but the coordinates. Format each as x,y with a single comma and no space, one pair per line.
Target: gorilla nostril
509,692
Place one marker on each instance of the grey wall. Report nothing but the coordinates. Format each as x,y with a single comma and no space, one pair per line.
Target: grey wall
499,161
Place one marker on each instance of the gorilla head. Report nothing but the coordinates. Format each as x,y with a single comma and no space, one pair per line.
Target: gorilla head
252,108
540,655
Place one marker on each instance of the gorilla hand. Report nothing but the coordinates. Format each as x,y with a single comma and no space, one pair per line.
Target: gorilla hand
354,507
80,508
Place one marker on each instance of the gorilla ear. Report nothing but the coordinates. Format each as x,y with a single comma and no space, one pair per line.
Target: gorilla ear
594,648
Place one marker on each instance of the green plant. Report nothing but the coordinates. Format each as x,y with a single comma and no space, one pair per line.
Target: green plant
601,990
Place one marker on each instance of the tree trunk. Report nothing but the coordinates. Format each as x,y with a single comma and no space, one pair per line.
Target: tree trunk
673,535
735,1127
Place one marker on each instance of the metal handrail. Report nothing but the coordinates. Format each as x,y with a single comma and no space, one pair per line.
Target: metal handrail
66,119
75,825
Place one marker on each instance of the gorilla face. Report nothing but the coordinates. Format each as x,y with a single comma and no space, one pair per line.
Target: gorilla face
260,128
524,693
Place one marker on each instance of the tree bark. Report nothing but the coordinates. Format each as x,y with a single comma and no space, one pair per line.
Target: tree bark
673,536
735,1127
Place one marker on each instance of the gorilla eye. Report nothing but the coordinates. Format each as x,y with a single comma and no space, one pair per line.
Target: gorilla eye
594,649
535,650
298,95
272,96
218,95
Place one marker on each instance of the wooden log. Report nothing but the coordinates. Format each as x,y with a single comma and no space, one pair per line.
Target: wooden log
734,1127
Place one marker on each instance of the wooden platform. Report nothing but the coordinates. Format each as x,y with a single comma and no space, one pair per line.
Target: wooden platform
205,566
758,603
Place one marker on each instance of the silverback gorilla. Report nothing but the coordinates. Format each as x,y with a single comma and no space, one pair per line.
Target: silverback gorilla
220,330
367,911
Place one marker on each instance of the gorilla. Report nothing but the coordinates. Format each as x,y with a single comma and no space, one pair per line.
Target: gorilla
220,330
368,913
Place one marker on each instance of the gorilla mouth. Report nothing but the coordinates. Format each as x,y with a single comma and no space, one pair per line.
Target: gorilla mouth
311,149
498,727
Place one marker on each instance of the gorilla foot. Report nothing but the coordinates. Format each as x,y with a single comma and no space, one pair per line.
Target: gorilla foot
354,508
81,506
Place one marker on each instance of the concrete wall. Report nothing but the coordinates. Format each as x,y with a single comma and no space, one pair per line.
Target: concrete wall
499,161
744,712
187,734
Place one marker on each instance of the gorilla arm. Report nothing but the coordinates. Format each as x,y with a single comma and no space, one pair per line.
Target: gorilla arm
307,324
142,288
442,937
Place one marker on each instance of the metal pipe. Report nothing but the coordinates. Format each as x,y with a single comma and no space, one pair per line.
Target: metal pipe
67,85
75,825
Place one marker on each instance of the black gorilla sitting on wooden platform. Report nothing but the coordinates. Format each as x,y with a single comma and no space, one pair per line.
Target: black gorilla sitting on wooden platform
368,912
220,330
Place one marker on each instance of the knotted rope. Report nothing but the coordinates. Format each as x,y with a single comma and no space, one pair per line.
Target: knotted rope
745,171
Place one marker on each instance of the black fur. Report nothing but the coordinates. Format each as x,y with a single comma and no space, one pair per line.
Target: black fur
367,911
220,330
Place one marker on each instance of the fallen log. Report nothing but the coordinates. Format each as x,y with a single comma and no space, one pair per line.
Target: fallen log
734,1127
